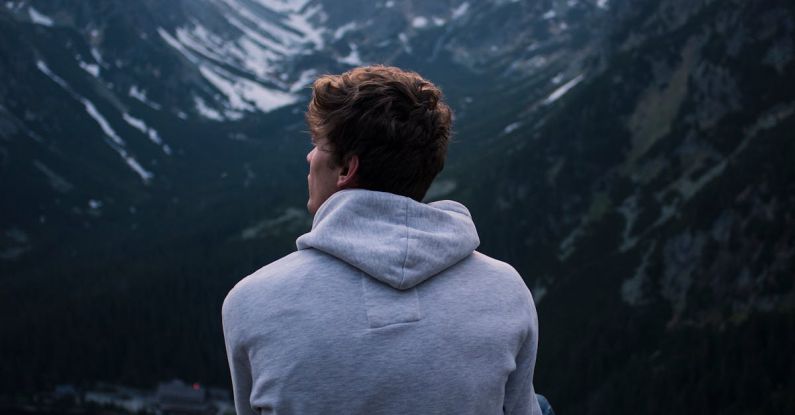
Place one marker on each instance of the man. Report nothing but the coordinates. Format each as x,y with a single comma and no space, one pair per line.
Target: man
386,307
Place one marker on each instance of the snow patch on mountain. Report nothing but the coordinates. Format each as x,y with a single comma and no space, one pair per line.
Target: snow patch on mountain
353,57
259,50
115,142
311,32
256,58
146,176
511,127
91,109
284,6
250,52
140,95
342,30
293,31
306,78
419,22
404,40
95,204
39,18
91,68
151,133
556,94
206,111
103,123
243,94
50,74
255,36
97,56
460,11
174,43
203,42
275,30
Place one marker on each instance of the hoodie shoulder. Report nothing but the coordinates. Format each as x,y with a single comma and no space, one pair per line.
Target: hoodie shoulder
268,281
503,269
504,277
261,276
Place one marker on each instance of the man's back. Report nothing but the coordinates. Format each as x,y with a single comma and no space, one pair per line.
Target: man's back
385,309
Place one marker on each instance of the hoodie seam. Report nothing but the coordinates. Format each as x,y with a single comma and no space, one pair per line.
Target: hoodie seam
406,257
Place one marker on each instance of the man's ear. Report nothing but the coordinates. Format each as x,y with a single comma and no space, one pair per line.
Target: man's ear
347,177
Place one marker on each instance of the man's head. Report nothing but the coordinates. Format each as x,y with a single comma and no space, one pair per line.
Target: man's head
377,128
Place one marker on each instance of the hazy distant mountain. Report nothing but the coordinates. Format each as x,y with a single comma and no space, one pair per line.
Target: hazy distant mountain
634,160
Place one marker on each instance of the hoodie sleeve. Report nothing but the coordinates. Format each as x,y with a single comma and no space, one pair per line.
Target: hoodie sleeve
520,397
239,365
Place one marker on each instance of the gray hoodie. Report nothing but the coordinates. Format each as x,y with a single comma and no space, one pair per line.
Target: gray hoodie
386,308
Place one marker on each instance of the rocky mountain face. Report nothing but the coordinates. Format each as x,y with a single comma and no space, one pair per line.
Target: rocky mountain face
652,213
633,160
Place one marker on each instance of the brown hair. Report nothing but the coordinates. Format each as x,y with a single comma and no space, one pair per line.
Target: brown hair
393,120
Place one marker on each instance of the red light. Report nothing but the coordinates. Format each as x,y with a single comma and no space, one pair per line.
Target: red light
196,386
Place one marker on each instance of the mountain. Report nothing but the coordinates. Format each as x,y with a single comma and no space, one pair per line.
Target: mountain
633,160
120,110
651,213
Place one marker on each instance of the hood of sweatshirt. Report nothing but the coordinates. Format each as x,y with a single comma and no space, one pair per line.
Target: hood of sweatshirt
394,239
